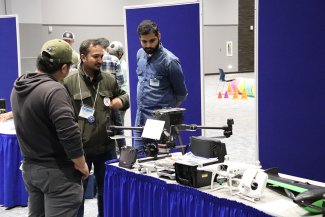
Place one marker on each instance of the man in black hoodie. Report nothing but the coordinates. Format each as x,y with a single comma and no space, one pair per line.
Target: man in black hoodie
48,135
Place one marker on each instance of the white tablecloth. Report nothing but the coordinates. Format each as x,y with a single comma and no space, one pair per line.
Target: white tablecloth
7,127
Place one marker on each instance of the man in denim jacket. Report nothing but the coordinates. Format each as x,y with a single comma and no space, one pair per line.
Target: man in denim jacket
160,77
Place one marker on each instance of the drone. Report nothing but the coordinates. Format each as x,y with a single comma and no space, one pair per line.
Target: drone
248,180
170,136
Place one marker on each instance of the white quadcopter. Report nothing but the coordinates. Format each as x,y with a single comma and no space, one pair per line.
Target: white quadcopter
248,179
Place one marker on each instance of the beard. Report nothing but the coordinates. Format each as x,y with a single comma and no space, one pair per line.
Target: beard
151,50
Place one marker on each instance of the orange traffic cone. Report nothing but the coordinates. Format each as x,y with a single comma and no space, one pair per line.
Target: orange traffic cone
219,95
235,95
229,88
244,95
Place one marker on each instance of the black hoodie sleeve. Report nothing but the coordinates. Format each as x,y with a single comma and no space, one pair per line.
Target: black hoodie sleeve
61,113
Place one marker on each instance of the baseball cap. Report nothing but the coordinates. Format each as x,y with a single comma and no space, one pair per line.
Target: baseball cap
114,47
68,36
58,50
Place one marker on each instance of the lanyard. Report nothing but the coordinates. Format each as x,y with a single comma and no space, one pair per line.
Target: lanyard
82,103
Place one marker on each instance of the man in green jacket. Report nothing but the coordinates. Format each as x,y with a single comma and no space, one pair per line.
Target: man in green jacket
95,94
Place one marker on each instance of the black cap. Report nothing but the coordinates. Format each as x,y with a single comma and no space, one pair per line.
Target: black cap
68,36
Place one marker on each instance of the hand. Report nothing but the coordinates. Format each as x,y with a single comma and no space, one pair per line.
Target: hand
116,103
6,116
84,170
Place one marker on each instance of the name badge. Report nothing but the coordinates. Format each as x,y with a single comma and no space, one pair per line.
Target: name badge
86,112
154,82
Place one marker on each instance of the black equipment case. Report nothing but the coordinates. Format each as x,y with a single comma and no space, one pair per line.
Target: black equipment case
188,174
208,147
128,157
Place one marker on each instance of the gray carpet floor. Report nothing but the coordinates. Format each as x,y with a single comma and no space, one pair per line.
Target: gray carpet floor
241,146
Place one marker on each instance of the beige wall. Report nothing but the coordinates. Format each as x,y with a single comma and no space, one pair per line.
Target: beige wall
105,18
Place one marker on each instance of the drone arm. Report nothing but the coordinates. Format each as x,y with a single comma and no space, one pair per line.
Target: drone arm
111,130
124,128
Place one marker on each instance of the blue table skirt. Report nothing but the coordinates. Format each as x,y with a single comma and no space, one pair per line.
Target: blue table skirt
131,194
12,189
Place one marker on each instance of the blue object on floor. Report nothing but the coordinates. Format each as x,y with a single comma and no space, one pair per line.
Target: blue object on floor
91,190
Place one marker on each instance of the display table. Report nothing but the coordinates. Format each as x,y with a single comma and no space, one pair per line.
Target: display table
12,189
128,193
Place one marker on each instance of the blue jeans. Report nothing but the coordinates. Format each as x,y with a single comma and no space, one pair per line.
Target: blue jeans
99,171
138,141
